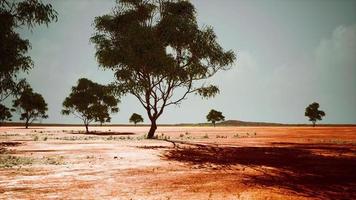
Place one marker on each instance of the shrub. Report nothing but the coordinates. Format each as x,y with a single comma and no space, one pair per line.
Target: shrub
8,161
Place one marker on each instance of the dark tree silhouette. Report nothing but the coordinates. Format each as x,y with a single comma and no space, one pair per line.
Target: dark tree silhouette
5,114
313,113
30,105
215,116
136,118
156,47
14,15
90,102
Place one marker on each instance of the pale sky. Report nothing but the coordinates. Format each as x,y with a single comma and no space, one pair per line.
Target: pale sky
290,53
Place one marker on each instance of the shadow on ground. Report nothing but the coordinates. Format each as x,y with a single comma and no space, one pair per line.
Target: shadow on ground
9,144
29,128
293,167
104,133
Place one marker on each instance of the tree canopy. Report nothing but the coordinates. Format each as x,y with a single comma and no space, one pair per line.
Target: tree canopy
30,105
156,47
313,113
215,116
90,102
136,118
5,113
13,49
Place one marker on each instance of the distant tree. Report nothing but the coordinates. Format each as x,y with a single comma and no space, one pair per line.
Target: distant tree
5,114
30,105
156,48
136,118
215,116
313,113
90,102
13,49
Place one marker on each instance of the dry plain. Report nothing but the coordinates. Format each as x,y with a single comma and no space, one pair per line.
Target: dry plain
203,163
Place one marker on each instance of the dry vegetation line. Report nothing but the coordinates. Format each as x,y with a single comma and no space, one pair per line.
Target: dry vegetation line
174,142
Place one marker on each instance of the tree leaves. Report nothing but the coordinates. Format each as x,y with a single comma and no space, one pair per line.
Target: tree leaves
135,118
13,48
157,47
208,92
91,101
215,116
5,113
31,105
313,112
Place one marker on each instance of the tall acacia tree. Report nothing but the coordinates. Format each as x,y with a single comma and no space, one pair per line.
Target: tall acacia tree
15,15
90,102
154,48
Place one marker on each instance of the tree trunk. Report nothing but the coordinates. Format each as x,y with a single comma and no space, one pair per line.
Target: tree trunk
86,128
152,130
313,124
214,123
26,123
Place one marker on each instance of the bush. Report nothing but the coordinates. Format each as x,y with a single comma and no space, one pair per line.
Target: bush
8,161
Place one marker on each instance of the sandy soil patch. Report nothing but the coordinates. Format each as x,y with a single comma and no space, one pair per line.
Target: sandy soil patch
206,163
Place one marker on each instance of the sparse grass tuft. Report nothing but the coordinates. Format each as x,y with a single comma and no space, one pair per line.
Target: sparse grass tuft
164,137
55,160
205,136
36,138
8,161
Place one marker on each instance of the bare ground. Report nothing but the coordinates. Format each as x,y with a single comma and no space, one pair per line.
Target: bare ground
206,163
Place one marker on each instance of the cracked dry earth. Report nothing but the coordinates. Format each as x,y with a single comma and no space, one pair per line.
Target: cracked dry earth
206,163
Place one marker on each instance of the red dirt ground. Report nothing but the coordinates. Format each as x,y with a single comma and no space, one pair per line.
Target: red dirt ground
207,163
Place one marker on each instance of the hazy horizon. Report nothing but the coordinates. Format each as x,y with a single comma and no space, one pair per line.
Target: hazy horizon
289,54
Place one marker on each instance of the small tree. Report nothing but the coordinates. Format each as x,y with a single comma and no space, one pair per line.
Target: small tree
5,114
313,112
30,105
90,102
215,116
155,48
136,118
